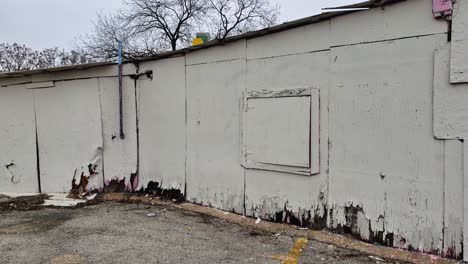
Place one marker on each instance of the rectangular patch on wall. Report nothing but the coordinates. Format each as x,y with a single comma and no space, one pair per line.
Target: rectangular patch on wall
280,131
459,44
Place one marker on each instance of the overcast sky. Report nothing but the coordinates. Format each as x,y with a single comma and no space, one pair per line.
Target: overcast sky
56,23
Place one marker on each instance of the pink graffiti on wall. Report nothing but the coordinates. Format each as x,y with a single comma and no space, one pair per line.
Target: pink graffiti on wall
442,9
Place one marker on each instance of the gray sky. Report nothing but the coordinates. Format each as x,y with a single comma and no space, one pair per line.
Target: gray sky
50,23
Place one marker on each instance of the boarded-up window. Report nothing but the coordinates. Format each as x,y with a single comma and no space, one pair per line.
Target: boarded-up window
280,131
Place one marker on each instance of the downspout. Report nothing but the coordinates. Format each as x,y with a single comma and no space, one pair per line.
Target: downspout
122,135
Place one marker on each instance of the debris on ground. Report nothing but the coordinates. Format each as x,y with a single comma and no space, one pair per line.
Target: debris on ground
15,201
377,259
151,215
258,221
91,197
62,200
68,259
21,201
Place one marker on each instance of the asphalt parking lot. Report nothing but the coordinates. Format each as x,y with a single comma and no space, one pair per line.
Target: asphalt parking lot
134,233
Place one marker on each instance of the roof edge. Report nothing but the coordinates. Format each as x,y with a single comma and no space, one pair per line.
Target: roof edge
250,35
218,42
366,4
18,74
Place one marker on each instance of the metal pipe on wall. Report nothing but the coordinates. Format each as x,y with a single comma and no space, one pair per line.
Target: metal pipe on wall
122,135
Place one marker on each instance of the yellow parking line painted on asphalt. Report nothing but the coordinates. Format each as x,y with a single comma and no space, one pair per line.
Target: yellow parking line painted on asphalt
295,253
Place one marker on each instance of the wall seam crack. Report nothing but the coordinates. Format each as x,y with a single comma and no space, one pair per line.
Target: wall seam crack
289,54
38,166
102,134
386,40
212,62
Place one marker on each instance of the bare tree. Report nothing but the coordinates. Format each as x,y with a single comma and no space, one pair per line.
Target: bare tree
103,42
172,20
73,57
232,17
16,57
147,27
47,58
108,31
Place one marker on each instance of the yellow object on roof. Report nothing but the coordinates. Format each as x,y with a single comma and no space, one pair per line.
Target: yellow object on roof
197,41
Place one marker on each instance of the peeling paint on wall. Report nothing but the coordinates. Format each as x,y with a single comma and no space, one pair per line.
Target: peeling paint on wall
215,176
381,123
120,155
358,224
296,199
69,134
307,218
154,188
86,179
162,124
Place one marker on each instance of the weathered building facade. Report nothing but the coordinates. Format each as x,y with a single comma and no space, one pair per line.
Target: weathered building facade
352,121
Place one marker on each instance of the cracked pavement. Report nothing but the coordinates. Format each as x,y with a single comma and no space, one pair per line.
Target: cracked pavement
136,233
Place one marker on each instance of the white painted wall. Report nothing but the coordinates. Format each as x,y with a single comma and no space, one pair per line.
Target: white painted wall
161,119
215,176
386,111
18,171
383,156
450,108
315,37
69,134
96,72
308,69
453,198
459,44
465,201
275,136
402,20
120,155
450,115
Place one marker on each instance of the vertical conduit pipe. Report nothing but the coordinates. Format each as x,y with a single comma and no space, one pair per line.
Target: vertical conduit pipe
122,135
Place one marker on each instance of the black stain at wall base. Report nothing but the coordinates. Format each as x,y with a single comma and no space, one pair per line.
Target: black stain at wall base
305,219
381,237
115,186
154,188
